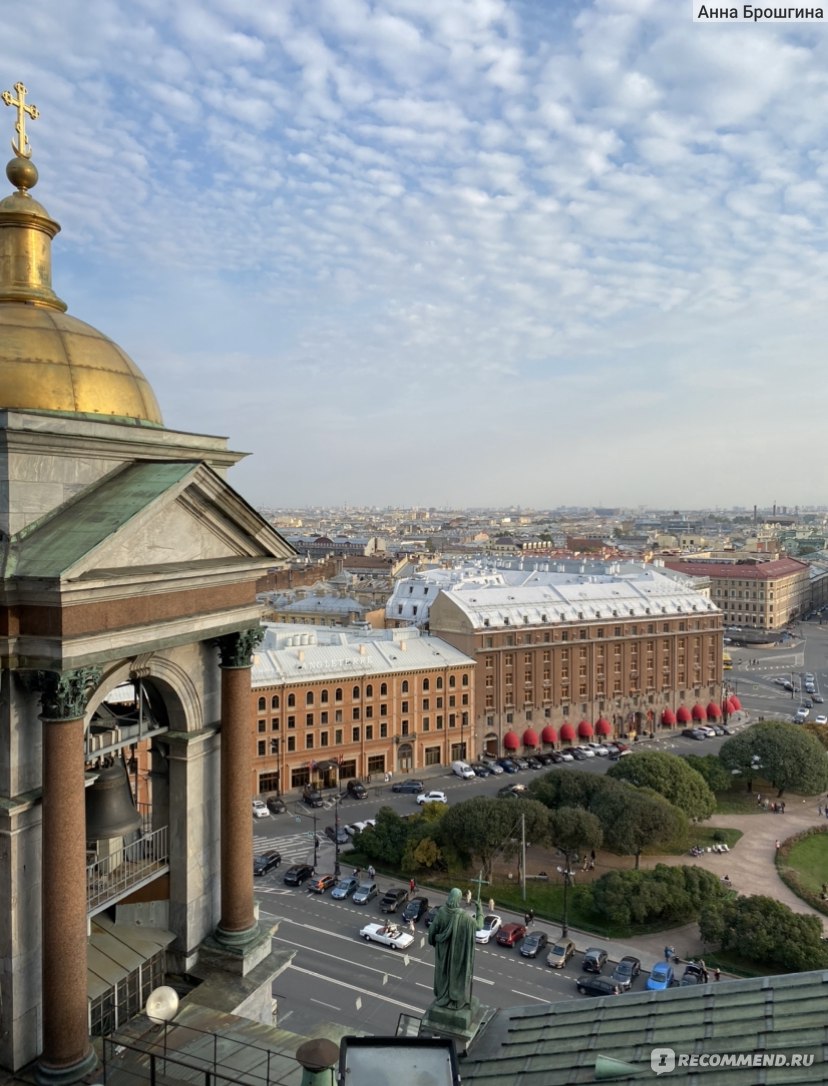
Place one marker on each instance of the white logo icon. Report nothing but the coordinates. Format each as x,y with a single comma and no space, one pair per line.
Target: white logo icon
663,1060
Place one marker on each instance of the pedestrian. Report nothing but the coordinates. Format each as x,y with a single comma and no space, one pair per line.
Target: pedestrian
371,871
411,926
468,897
669,952
819,810
529,917
783,806
592,860
778,845
412,886
356,872
717,973
491,904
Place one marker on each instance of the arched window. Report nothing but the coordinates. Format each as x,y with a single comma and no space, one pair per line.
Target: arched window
274,702
465,679
383,690
309,698
439,682
291,700
452,680
369,691
405,686
426,685
355,692
262,704
338,694
323,697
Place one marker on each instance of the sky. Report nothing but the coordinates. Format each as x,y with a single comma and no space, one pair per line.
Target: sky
450,252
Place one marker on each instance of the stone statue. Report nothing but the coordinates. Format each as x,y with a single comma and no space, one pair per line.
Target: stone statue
452,935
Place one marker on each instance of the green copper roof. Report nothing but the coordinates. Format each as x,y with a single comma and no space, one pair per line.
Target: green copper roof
49,547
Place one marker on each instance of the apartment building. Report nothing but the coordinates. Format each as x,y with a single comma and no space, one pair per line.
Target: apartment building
337,704
753,593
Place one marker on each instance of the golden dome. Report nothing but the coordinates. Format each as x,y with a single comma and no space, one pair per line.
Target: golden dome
49,361
52,362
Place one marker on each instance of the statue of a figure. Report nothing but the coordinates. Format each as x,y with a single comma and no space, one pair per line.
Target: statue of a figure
452,935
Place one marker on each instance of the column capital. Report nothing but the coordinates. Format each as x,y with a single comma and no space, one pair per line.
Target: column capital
235,649
64,694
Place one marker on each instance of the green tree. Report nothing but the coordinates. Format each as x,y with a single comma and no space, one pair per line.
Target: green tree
665,894
669,776
483,828
386,841
573,830
785,754
710,767
635,818
566,788
765,931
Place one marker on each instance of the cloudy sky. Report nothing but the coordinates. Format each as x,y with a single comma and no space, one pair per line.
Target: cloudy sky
450,252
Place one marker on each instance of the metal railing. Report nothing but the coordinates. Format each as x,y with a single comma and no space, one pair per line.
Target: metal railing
124,869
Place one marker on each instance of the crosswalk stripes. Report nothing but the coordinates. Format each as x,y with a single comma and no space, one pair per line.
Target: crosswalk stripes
295,847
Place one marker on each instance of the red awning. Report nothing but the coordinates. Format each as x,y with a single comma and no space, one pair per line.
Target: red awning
713,711
530,738
603,726
567,733
668,718
683,714
549,735
511,741
735,704
585,729
698,712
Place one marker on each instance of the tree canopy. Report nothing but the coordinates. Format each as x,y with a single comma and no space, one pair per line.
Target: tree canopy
710,767
669,776
483,827
635,818
665,894
784,754
572,829
766,931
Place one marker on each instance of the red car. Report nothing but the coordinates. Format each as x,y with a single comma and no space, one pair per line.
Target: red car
510,934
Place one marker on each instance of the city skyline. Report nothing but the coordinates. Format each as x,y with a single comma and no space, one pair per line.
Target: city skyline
452,254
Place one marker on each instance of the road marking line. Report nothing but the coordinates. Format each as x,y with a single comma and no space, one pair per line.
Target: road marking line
528,995
322,1003
355,988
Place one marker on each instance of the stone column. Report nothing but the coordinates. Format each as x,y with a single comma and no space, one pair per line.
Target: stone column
238,921
67,1053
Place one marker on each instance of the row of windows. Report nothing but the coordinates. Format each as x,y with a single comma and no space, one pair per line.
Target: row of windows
271,747
584,632
356,692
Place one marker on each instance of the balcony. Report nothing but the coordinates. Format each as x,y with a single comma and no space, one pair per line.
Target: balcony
113,877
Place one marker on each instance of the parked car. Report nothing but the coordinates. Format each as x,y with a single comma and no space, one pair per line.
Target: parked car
626,971
297,874
594,959
321,883
693,974
587,748
481,769
338,834
510,934
415,908
266,862
560,953
533,943
392,899
260,809
388,935
410,785
535,763
802,714
661,977
556,757
276,805
431,797
356,789
566,755
364,893
509,791
312,796
821,718
493,766
597,986
521,763
345,887
507,765
491,926
462,769
817,699
579,754
429,916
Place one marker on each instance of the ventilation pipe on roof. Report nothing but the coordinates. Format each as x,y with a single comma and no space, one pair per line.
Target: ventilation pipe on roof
403,646
300,655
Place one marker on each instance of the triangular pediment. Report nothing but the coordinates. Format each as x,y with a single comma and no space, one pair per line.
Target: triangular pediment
147,515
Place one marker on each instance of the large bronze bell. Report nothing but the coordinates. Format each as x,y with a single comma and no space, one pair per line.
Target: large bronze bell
110,811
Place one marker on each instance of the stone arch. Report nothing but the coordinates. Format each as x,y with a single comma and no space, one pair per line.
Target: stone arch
184,707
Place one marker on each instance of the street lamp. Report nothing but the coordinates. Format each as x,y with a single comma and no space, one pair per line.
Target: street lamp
567,874
337,869
315,843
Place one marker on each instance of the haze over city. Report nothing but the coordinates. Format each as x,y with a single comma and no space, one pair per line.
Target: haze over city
464,253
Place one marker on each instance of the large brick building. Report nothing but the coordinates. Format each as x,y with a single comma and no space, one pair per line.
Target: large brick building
339,704
586,649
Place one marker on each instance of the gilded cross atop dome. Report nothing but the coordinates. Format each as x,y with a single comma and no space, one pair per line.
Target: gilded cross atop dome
21,148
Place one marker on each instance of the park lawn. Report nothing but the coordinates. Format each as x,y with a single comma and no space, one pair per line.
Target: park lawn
809,857
708,836
740,801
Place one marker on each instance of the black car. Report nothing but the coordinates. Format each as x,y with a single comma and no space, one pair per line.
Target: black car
507,765
626,971
534,943
481,770
392,899
594,960
266,862
556,757
535,763
276,805
337,834
297,874
357,789
429,916
597,986
415,908
410,785
312,796
507,792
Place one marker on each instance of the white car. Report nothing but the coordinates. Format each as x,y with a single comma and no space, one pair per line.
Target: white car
600,749
495,768
431,797
566,756
388,935
588,751
260,809
709,732
491,925
821,719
